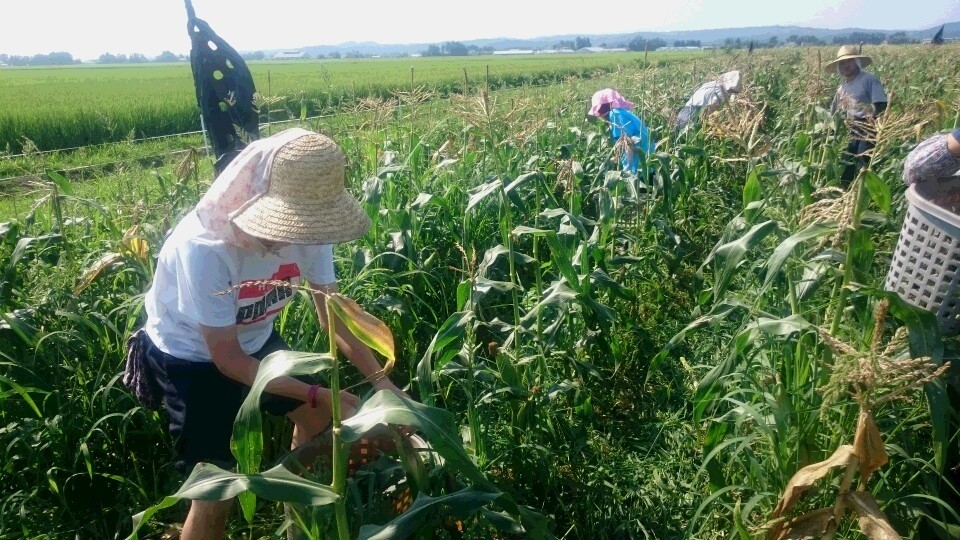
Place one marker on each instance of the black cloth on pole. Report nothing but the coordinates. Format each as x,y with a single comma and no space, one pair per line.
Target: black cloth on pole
224,89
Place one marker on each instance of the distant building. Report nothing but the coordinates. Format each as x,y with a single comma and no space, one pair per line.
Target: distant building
681,48
603,49
289,55
514,51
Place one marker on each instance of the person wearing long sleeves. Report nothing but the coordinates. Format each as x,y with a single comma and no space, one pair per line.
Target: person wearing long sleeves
932,168
708,97
626,128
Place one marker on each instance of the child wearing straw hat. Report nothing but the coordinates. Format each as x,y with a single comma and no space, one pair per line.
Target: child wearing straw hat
626,128
710,96
861,98
269,219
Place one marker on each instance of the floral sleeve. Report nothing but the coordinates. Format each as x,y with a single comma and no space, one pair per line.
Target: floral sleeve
930,160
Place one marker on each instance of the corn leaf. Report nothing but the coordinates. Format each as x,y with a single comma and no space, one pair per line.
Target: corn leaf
373,332
61,181
813,524
868,445
459,505
783,251
247,440
872,522
438,427
805,477
879,191
452,329
210,483
98,266
730,255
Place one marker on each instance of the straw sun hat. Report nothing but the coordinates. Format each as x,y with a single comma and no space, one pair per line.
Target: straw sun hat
306,201
847,52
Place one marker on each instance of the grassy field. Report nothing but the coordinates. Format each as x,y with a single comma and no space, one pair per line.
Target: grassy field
81,105
601,355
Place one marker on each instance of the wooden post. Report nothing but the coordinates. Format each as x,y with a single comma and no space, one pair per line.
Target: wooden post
486,81
645,43
411,77
466,82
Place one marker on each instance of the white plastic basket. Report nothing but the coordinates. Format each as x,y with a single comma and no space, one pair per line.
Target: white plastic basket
925,270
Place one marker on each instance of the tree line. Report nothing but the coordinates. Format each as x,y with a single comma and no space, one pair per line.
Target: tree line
456,48
638,43
869,38
66,59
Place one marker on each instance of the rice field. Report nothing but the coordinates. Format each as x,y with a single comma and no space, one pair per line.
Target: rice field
73,106
595,355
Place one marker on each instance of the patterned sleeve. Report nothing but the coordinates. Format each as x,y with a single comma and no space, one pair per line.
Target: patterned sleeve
930,160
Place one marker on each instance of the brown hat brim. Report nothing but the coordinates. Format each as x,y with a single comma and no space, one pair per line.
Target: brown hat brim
304,222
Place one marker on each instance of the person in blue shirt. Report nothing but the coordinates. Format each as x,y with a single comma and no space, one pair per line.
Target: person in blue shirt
626,128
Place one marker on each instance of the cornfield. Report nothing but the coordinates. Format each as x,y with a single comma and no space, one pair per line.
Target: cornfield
677,355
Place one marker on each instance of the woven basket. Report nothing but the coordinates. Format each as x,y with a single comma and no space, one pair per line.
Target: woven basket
379,441
925,270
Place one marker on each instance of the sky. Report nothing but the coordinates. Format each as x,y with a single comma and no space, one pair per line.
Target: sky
89,28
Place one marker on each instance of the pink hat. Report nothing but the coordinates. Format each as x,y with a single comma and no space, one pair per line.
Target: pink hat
608,96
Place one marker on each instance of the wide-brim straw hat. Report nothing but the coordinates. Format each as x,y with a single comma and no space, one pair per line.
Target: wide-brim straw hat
306,201
847,52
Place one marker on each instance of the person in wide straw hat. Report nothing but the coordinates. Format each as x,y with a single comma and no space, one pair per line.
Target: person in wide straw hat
627,131
708,97
268,223
861,98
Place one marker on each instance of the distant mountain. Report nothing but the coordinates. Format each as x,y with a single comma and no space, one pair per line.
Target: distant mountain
760,34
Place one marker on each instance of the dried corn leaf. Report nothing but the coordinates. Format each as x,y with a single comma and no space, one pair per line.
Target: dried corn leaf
370,330
806,476
98,267
868,445
813,524
872,522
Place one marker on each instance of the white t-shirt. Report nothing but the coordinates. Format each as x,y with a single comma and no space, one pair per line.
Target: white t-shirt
194,266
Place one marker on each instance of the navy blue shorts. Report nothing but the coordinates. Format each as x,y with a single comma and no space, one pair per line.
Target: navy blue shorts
202,403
